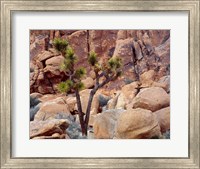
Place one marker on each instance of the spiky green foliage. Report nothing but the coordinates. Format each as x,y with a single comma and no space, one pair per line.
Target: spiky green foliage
69,83
69,61
114,63
79,86
92,58
70,55
80,72
63,87
60,44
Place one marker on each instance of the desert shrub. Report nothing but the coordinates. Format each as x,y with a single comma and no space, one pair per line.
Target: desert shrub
60,44
34,102
33,111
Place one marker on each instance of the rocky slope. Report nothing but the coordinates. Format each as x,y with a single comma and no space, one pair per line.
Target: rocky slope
136,105
140,51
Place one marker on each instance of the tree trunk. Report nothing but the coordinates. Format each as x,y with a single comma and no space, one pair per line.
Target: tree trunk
92,93
80,112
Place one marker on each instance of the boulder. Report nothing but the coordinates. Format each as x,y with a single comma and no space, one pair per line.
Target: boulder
153,98
52,128
113,102
50,110
36,95
137,124
163,116
147,78
104,124
129,91
165,80
44,55
71,103
88,82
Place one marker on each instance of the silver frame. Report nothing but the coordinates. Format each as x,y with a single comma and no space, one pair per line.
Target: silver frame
9,6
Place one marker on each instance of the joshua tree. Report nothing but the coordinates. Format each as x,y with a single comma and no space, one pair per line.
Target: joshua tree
105,72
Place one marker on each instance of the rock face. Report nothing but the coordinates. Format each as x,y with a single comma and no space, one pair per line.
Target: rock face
104,124
140,51
163,116
46,73
153,98
48,129
137,124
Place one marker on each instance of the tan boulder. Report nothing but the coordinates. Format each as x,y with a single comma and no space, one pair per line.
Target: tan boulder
129,91
113,102
163,116
50,110
88,82
55,61
137,124
104,124
36,95
147,78
153,98
44,55
53,128
121,101
71,103
165,80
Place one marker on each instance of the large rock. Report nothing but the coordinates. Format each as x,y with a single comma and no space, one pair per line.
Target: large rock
52,128
165,80
88,82
104,124
137,124
153,98
84,95
50,110
163,116
147,78
130,91
44,55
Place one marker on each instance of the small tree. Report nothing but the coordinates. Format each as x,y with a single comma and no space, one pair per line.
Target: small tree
104,72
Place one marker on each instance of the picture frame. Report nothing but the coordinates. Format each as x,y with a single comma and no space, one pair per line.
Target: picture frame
8,7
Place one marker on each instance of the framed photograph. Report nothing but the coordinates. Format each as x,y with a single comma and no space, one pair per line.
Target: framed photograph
100,84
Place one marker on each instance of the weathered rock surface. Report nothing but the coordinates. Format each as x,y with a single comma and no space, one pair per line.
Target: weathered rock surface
153,98
163,116
50,110
137,124
165,80
104,124
140,50
130,91
48,129
88,82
